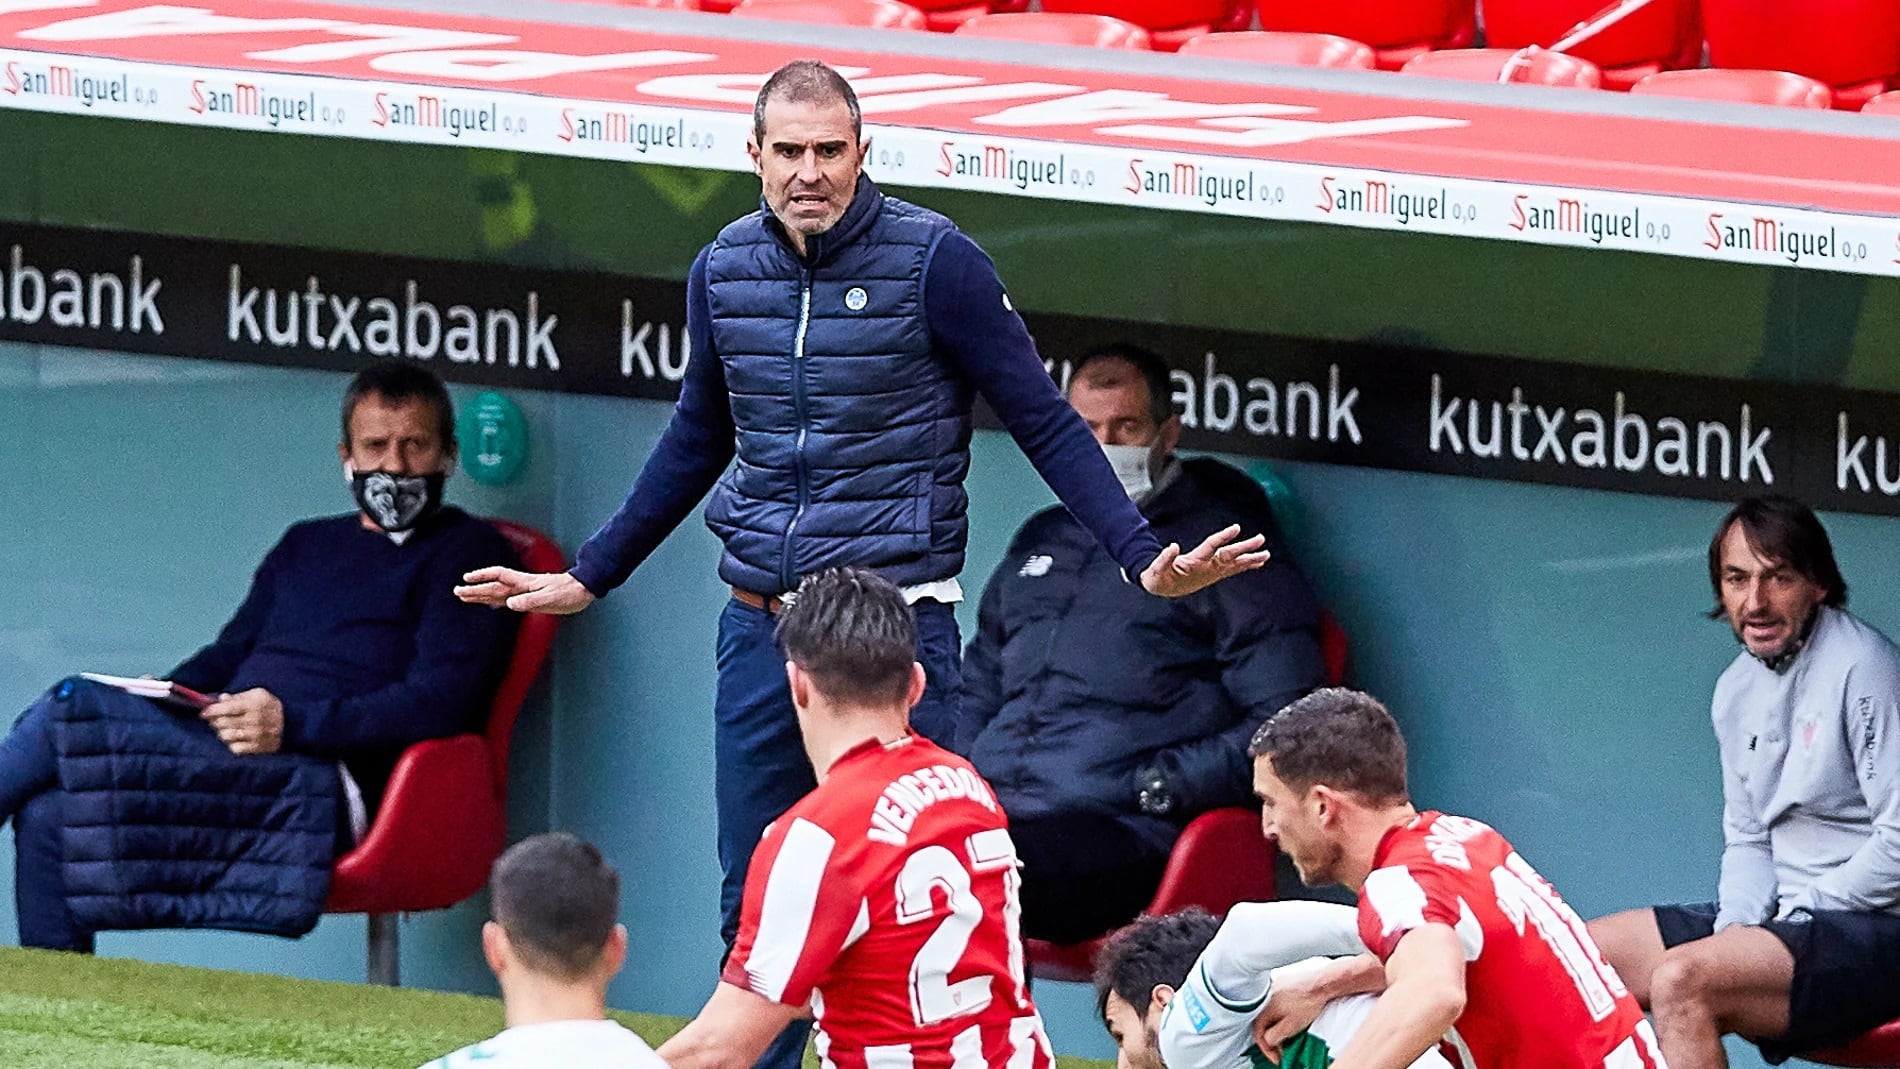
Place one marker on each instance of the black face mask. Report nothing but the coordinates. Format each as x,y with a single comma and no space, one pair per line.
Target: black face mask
397,503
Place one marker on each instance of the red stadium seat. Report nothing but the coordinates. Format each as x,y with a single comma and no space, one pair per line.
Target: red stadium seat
1239,16
721,6
1053,28
1397,29
1168,22
1884,104
1221,858
1852,45
1332,648
1537,67
1778,88
1664,35
875,14
1878,1049
1290,49
443,816
944,16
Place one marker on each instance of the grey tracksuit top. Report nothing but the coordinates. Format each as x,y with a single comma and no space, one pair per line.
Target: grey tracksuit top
1811,777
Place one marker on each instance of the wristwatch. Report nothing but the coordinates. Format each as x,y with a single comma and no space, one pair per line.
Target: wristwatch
1153,793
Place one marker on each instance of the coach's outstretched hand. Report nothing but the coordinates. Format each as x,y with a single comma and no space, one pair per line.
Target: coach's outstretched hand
1175,573
558,593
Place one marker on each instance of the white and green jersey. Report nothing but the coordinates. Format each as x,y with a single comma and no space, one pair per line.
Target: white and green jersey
568,1044
1209,1022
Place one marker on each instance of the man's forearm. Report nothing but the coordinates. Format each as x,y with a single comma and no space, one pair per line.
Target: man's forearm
696,1047
1423,998
1361,975
1746,890
1868,881
731,1032
1410,1019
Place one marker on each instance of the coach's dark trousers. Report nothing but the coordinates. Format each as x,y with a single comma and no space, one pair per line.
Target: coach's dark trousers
760,763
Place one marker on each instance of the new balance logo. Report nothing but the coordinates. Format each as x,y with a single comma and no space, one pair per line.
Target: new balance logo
1036,566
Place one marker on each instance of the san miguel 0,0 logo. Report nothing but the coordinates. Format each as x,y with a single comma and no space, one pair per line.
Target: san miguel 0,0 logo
999,163
54,80
247,100
620,128
1764,233
1568,215
425,111
1379,197
1197,181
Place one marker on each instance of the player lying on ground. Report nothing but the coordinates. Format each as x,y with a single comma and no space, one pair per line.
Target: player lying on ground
1181,991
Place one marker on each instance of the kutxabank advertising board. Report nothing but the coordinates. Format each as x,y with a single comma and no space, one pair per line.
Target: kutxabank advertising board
1335,402
1757,196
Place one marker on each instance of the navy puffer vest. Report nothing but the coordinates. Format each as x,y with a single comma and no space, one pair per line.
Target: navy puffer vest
853,434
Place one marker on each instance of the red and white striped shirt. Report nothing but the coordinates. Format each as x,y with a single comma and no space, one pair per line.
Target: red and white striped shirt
888,899
1538,994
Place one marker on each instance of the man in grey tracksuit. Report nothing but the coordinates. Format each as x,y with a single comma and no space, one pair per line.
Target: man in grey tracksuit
1802,948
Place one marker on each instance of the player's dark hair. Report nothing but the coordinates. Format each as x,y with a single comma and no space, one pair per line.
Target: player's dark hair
1151,951
806,81
1342,738
851,631
1146,362
557,899
397,382
1783,530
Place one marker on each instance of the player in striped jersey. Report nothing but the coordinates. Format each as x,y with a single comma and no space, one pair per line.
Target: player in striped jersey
885,901
1200,983
1473,948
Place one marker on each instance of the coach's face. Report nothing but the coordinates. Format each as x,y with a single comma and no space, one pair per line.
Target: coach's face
1767,601
808,164
1296,820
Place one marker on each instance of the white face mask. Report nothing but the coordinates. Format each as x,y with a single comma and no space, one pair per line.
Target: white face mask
1131,464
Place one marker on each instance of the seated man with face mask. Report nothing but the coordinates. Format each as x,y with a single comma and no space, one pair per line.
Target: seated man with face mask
1108,718
350,646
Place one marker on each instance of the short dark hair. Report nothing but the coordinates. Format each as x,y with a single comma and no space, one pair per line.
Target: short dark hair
1146,362
1342,738
1780,529
1151,951
806,81
397,381
851,629
557,899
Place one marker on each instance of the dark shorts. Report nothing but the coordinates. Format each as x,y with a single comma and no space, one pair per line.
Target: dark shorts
1846,971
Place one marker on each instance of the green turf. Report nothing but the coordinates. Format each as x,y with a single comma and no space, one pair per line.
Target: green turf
60,1011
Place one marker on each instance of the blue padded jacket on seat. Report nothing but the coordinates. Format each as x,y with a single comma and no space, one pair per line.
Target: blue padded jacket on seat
166,828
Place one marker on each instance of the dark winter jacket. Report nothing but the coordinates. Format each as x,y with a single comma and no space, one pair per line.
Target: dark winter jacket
166,828
1077,679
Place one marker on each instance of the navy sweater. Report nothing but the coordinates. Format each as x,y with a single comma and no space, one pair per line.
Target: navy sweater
974,327
364,641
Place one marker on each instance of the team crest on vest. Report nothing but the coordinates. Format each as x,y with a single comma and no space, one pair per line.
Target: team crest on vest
855,298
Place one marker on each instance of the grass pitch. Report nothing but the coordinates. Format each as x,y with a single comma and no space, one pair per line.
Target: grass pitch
62,1011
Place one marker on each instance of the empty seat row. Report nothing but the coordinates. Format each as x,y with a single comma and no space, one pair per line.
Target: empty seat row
1766,51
